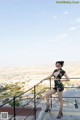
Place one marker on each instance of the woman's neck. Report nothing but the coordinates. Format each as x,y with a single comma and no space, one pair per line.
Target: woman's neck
59,68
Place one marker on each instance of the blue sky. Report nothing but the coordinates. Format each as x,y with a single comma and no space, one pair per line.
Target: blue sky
38,32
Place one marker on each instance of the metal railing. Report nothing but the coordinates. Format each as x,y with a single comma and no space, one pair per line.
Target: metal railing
34,99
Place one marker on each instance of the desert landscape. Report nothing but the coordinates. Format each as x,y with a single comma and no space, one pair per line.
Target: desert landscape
34,73
15,80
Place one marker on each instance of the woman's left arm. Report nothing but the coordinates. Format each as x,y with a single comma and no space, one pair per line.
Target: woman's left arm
66,76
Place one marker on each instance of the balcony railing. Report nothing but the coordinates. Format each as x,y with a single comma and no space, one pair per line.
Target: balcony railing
33,99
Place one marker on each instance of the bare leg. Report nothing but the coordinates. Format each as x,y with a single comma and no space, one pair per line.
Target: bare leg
60,99
61,104
48,94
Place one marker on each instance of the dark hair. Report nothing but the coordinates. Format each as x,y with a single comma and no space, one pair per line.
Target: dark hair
61,63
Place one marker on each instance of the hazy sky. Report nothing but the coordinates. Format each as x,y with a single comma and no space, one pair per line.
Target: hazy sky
38,32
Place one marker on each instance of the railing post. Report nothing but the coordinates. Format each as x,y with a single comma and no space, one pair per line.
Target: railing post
50,83
51,95
34,102
14,111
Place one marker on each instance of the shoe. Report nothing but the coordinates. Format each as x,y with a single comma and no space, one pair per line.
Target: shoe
47,108
60,114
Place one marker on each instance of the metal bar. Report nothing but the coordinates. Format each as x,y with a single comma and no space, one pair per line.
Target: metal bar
41,91
71,87
38,83
51,95
28,114
72,78
69,78
6,103
67,97
34,102
24,92
11,117
24,106
38,103
14,108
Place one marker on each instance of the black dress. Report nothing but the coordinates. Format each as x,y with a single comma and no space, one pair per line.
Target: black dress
57,84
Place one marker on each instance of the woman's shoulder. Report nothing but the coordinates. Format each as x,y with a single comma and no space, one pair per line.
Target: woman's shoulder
62,71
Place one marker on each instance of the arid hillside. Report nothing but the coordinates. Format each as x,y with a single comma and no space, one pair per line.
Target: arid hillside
35,73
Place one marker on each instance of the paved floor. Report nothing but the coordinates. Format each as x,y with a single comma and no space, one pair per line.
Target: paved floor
65,118
67,115
22,118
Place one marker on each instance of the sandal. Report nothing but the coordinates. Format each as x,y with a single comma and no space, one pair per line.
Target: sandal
60,114
47,108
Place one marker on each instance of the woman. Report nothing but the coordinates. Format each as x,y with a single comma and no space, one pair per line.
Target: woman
58,74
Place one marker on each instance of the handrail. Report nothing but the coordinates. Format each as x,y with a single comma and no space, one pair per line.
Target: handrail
24,106
6,103
34,98
24,92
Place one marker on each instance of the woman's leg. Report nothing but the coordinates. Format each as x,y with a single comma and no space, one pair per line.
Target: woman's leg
60,98
61,103
48,94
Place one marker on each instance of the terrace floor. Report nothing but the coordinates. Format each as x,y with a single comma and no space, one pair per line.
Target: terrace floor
71,114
